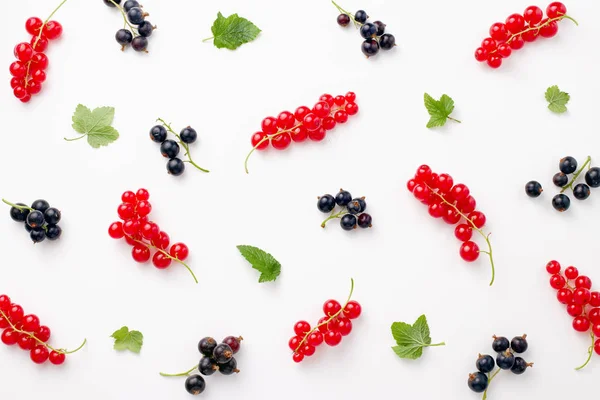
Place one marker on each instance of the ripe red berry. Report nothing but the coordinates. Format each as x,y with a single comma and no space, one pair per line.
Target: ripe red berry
142,194
115,230
52,30
321,109
498,31
445,182
10,337
340,116
517,42
317,135
581,296
315,338
530,36
504,50
564,296
477,218
469,251
549,29
39,44
3,322
344,326
494,61
353,309
595,300
33,25
4,302
421,192
20,92
481,54
162,241
583,281
571,272
515,23
180,251
14,82
126,211
339,100
39,354
131,227
15,313
294,342
597,347
533,15
450,216
281,141
459,191
301,112
17,69
423,173
285,120
132,240
23,52
256,139
43,333
351,108
297,357
331,307
594,315
143,208
556,9
307,349
433,180
436,209
328,99
160,260
557,281
410,185
463,232
269,125
128,197
574,309
333,338
33,87
581,323
299,133
489,44
311,122
350,97
57,358
26,342
596,329
553,267
467,205
140,253
301,328
150,231
329,123
31,323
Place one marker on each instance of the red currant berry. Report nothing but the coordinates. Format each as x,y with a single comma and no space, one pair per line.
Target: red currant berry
26,342
31,323
463,232
498,32
436,210
315,338
162,241
350,97
331,307
134,239
481,54
517,43
15,313
17,69
311,122
57,358
160,260
594,315
285,120
317,135
556,9
294,342
20,92
467,205
489,45
39,61
39,44
301,328
574,309
583,281
450,216
557,281
533,15
3,322
143,208
128,197
344,326
43,333
269,125
322,325
595,300
14,82
297,357
596,329
328,99
410,185
570,272
131,227
52,30
339,100
423,173
4,302
582,296
553,267
530,36
115,230
333,338
321,109
597,347
10,337
307,349
494,61
459,192
351,108
150,231
39,354
23,52
299,133
257,138
353,309
140,253
281,141
142,194
329,123
549,29
564,296
33,25
301,112
340,116
433,180
581,323
126,211
445,182
504,50
469,251
33,87
180,251
515,23
477,218
421,192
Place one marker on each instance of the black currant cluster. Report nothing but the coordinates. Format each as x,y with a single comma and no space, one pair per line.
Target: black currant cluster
505,360
41,220
170,148
581,191
352,212
140,29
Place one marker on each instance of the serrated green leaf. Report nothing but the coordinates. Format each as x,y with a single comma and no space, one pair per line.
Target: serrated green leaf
96,125
261,261
411,352
128,340
557,100
233,31
439,110
411,339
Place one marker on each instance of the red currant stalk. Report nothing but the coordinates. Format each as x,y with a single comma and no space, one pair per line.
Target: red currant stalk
32,335
184,145
341,10
263,140
588,160
331,317
166,255
590,352
486,237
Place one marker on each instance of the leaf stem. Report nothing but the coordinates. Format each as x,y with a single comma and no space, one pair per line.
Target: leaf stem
490,381
267,137
17,206
77,138
207,39
186,373
590,352
333,216
576,174
183,144
341,10
434,345
454,119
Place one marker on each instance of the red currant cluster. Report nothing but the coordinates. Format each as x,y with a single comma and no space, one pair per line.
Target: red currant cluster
518,29
304,123
583,305
144,234
28,333
452,203
330,329
28,71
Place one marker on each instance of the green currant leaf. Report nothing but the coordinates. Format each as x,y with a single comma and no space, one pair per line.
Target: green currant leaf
261,261
95,125
233,31
439,110
128,340
411,339
557,100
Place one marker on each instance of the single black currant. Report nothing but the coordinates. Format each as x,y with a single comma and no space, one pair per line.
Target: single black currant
343,20
380,27
111,4
354,207
520,366
233,342
145,29
581,191
343,198
40,205
52,216
361,16
53,232
207,366
368,30
362,203
28,228
19,214
485,363
370,47
348,222
139,43
500,344
158,133
175,166
560,179
206,346
228,368
135,15
533,189
567,165
387,41
519,344
37,235
477,382
129,4
35,219
365,220
169,148
222,353
505,360
592,177
195,384
123,37
326,203
188,135
561,202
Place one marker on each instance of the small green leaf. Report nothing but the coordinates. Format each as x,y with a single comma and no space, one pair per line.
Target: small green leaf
439,110
233,31
261,261
128,340
411,352
95,125
411,339
557,100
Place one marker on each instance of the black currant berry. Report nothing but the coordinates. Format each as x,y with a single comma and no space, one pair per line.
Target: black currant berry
380,27
354,207
158,133
485,363
52,216
169,148
500,344
361,16
505,360
207,366
370,47
519,344
206,346
387,41
567,165
478,382
37,235
561,202
35,219
592,177
348,222
368,30
135,15
326,203
145,29
195,384
365,220
520,366
560,179
229,367
343,198
343,20
111,4
28,228
533,189
123,37
222,353
139,43
19,214
188,135
129,4
53,232
40,205
175,166
233,342
581,191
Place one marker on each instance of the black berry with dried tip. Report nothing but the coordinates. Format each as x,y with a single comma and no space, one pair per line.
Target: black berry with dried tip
380,27
592,177
485,363
207,366
561,202
135,15
169,148
520,366
343,20
195,384
348,222
175,166
37,235
361,16
19,214
533,189
35,219
581,191
222,353
368,30
477,382
52,216
519,344
370,47
158,133
206,346
500,344
53,232
560,179
326,203
228,368
234,343
188,135
567,165
387,41
505,360
139,43
365,220
123,37
129,4
145,29
343,198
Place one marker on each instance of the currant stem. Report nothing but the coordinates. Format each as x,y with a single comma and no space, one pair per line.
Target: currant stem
73,139
435,345
207,39
183,144
590,352
454,119
333,216
17,206
133,30
490,381
268,137
341,10
576,174
304,339
186,373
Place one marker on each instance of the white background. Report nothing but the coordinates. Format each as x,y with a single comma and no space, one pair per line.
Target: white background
87,285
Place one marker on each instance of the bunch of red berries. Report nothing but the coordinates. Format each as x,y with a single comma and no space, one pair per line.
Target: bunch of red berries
518,29
28,333
143,234
583,305
330,329
304,123
28,71
453,203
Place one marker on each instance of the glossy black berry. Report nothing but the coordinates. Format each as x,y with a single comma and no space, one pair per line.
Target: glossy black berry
567,165
28,228
519,344
40,205
343,198
37,235
505,360
343,20
380,27
135,15
229,367
533,189
326,203
520,366
139,43
35,219
222,353
195,384
354,207
485,363
175,166
361,203
188,135
123,37
581,191
206,346
365,220
145,29
370,47
500,344
592,177
233,342
158,133
560,179
361,16
52,216
169,148
129,4
387,41
110,3
561,202
348,222
368,30
207,366
19,214
478,382
53,232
